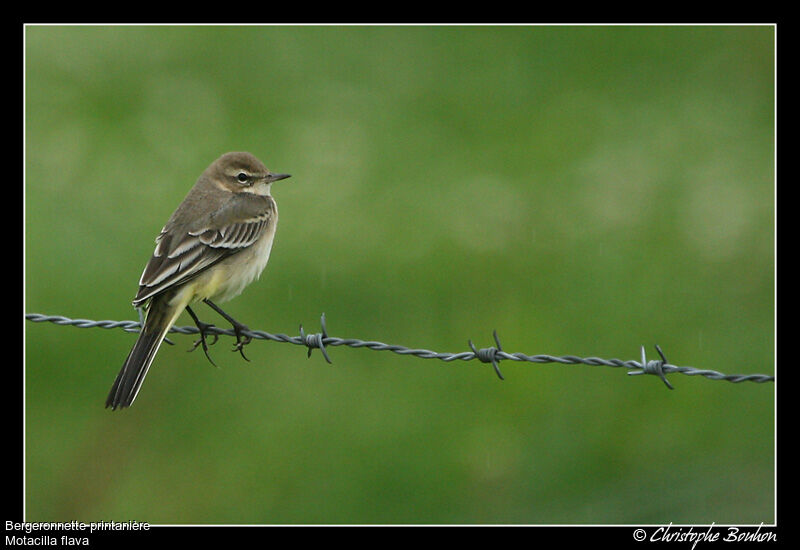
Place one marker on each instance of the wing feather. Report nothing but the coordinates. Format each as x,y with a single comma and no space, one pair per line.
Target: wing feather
182,253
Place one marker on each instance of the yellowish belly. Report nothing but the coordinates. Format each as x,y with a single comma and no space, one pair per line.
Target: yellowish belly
230,277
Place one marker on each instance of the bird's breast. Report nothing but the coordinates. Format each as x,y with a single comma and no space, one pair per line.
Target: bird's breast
236,272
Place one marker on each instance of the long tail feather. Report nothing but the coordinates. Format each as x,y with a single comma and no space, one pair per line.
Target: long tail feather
160,318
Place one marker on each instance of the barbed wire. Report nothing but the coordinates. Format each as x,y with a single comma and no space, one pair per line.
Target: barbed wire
491,355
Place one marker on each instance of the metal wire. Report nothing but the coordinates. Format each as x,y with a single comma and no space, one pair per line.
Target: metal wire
493,355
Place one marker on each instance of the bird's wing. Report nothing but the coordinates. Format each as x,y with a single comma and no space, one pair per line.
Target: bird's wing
184,251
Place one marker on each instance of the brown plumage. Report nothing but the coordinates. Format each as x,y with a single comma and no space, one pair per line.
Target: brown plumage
215,243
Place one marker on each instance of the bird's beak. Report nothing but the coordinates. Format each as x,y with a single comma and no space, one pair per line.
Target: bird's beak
275,177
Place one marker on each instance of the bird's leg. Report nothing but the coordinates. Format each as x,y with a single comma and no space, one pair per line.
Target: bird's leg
203,327
241,339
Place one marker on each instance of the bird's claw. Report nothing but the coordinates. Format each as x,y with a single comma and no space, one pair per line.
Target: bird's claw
203,327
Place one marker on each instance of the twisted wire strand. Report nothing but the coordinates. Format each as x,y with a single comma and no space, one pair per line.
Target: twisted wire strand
495,354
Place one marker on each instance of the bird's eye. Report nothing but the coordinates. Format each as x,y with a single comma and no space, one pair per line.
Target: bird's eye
242,177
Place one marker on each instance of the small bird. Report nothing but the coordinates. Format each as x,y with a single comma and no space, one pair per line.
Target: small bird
215,244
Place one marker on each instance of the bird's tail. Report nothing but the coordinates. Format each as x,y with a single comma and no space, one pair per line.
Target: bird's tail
160,318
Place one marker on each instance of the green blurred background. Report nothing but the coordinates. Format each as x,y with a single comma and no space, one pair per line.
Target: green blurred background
583,190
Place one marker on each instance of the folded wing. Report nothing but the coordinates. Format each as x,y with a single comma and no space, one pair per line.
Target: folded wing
183,252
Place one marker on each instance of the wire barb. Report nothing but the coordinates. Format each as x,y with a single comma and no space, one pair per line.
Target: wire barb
491,355
655,366
313,341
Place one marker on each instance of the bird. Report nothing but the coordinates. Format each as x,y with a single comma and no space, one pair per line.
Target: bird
215,244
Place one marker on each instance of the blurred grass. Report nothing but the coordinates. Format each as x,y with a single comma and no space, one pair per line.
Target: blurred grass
583,190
